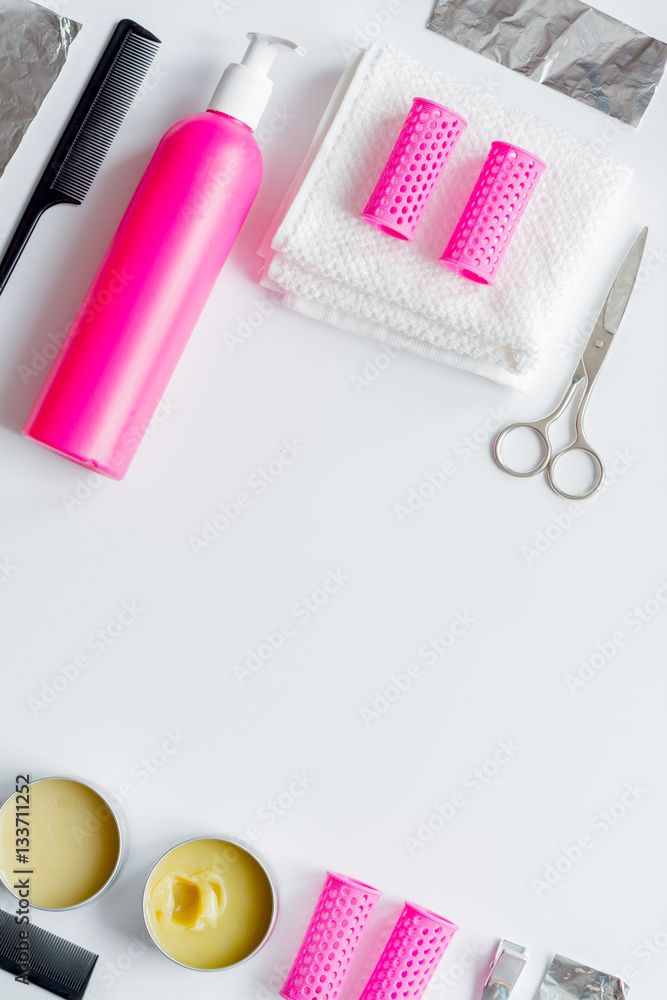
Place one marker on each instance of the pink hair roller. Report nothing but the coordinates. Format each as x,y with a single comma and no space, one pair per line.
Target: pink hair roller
331,940
429,134
411,955
498,201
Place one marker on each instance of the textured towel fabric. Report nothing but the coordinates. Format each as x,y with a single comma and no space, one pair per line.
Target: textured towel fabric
329,264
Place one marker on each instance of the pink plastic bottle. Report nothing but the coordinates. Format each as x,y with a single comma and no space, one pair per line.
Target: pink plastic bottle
157,274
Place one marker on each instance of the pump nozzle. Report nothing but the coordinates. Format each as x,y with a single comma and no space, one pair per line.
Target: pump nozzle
245,88
263,49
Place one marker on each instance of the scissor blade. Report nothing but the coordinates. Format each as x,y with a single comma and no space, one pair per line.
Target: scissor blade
619,294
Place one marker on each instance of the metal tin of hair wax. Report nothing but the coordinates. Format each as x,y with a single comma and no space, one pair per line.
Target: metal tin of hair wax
210,903
85,849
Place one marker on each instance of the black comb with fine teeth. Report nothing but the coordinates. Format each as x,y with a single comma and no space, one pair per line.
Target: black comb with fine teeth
44,959
89,132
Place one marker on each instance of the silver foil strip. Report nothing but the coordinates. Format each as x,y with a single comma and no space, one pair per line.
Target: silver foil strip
565,44
34,43
506,968
568,980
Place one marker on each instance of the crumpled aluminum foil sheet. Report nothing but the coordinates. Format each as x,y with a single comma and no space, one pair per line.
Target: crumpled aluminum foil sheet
34,43
568,980
565,44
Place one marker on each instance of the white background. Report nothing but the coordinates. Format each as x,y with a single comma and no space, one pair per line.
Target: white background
77,547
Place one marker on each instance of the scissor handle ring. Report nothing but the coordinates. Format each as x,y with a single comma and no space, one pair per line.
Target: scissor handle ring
497,450
554,462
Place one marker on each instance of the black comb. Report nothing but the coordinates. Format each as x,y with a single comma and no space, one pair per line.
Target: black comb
54,964
89,132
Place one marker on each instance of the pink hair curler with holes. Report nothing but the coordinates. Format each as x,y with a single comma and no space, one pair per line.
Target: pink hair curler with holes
411,955
427,139
494,209
331,940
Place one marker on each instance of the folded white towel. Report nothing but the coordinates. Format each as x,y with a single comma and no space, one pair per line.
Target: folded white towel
330,265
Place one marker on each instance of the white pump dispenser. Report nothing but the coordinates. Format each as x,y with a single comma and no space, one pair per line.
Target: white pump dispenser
245,87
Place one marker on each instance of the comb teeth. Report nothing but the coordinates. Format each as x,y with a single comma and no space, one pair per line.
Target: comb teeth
55,964
107,112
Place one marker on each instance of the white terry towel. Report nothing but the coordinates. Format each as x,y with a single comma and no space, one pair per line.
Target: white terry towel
332,266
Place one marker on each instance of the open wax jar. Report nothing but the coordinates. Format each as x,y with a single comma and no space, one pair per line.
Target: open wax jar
63,838
210,904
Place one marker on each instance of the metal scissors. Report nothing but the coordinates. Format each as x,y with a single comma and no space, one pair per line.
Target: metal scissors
587,371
